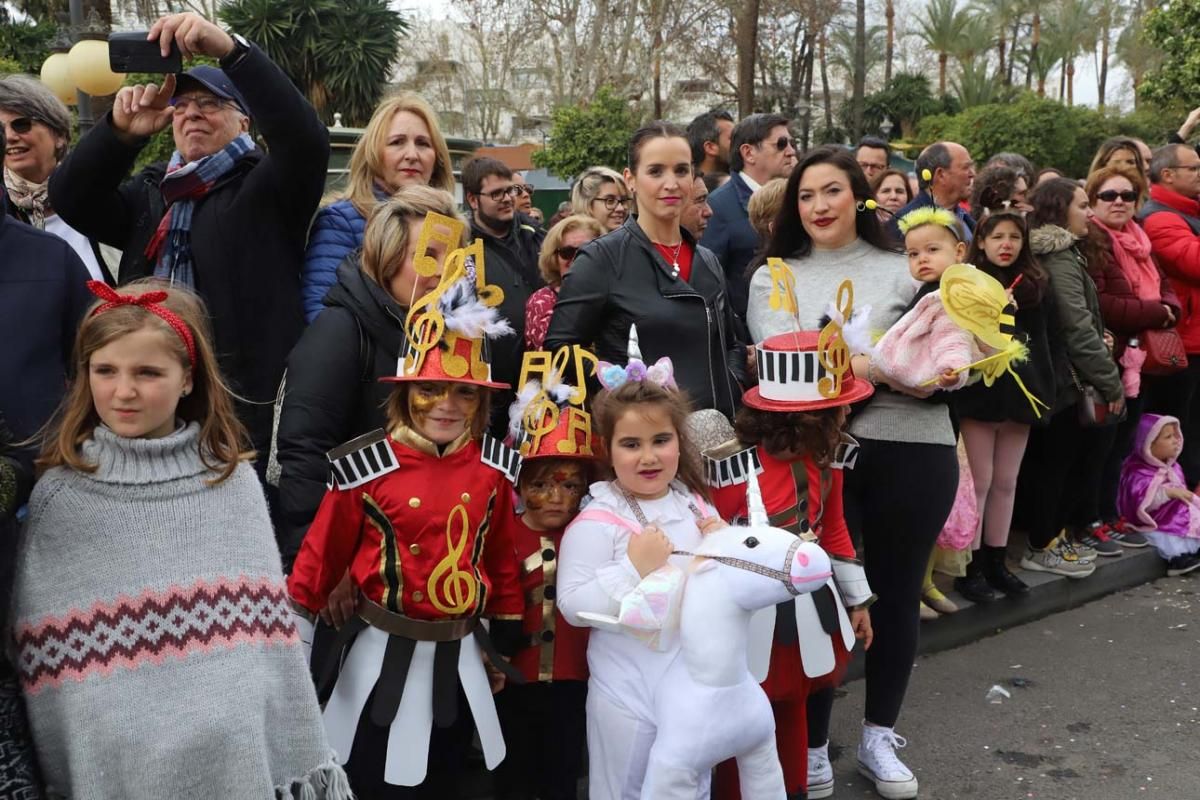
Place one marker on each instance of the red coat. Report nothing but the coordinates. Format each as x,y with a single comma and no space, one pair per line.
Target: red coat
555,650
1177,249
417,537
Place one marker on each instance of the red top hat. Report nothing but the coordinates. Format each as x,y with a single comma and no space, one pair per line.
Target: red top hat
795,374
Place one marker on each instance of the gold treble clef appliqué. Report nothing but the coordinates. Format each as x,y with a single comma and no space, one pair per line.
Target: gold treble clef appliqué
452,590
832,351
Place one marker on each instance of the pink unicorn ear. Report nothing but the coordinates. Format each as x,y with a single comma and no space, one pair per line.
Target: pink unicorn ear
610,375
662,373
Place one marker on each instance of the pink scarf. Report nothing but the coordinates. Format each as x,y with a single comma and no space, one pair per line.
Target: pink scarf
1131,248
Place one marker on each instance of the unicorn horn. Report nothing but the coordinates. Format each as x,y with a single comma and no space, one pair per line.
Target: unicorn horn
634,351
754,501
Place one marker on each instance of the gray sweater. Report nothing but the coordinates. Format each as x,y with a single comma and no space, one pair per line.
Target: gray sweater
155,645
881,281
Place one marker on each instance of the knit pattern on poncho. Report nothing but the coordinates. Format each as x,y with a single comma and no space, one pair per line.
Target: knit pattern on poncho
153,638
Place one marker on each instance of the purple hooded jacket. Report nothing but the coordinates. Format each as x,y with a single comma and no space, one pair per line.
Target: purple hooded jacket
1143,477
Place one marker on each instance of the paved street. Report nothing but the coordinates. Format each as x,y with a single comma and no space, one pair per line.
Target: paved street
1104,707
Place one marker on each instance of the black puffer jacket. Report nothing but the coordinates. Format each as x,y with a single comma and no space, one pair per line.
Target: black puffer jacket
333,393
621,279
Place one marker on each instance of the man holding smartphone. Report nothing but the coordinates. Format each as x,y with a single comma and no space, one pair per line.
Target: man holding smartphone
222,216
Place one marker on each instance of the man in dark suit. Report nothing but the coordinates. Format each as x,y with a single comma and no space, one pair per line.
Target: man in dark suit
762,148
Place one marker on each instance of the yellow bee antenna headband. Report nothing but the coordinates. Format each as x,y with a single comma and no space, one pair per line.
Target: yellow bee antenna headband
932,215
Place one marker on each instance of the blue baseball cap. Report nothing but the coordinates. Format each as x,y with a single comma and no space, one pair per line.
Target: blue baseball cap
215,81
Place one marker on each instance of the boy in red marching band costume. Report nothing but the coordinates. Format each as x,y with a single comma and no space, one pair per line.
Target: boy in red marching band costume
790,433
544,720
410,512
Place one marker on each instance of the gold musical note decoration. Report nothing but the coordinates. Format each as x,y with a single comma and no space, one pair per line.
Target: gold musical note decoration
450,589
540,418
541,364
578,440
783,286
436,228
832,351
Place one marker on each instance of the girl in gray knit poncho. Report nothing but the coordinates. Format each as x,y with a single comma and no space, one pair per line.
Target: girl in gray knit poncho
155,647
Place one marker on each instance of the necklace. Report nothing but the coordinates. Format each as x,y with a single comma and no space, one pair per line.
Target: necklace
674,257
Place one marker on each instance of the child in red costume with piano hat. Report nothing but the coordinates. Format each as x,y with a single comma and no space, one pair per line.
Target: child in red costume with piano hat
790,433
410,513
544,720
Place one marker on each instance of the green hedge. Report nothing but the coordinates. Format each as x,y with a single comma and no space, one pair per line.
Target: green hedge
1045,131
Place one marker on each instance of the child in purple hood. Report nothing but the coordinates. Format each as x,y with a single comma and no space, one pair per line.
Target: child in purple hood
1154,496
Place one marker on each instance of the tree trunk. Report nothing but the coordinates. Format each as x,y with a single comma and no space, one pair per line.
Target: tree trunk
1071,82
1062,81
1016,33
1034,40
858,98
746,40
1000,46
809,62
825,85
890,12
1103,84
942,59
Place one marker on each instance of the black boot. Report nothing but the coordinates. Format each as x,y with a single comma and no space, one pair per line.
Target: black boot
974,586
995,570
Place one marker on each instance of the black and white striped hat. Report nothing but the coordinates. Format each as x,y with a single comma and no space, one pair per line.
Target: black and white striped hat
789,375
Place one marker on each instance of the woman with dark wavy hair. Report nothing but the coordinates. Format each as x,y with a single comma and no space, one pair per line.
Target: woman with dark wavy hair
900,492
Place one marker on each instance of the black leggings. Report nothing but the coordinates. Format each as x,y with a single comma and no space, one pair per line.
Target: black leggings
897,499
1060,477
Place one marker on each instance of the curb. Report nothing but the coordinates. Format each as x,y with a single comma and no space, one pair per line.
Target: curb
1048,594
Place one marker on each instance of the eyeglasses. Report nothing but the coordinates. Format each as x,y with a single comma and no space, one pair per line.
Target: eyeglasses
567,253
498,195
784,142
523,188
204,104
612,201
1112,194
19,125
1192,167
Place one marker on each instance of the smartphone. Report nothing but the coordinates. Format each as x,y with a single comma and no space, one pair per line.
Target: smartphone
132,52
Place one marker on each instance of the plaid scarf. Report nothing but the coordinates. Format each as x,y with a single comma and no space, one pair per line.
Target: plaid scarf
30,197
184,184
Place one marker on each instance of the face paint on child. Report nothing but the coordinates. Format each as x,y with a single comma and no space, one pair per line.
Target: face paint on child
552,499
442,411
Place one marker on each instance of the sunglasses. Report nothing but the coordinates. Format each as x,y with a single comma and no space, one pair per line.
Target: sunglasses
784,142
567,253
523,188
19,125
1112,194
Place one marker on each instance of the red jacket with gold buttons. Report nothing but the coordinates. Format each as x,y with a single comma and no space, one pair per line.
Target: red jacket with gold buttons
415,530
555,649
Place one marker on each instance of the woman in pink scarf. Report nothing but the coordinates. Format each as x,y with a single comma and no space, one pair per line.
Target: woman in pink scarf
1134,297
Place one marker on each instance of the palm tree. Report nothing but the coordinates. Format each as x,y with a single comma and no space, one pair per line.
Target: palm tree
998,14
1138,55
975,40
1039,60
1107,18
842,46
940,29
1074,31
976,84
341,51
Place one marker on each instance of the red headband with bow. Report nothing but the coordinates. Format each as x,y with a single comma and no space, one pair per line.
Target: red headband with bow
149,301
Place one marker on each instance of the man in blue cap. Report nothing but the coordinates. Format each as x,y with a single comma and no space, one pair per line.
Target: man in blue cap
222,216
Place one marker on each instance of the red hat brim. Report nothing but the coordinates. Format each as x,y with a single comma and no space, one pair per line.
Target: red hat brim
853,391
429,379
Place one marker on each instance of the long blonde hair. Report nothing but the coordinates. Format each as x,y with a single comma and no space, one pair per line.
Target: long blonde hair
366,164
223,439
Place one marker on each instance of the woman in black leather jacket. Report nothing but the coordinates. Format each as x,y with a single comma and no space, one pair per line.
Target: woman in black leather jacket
651,272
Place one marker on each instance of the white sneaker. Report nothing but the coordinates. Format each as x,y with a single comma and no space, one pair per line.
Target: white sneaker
820,773
877,760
